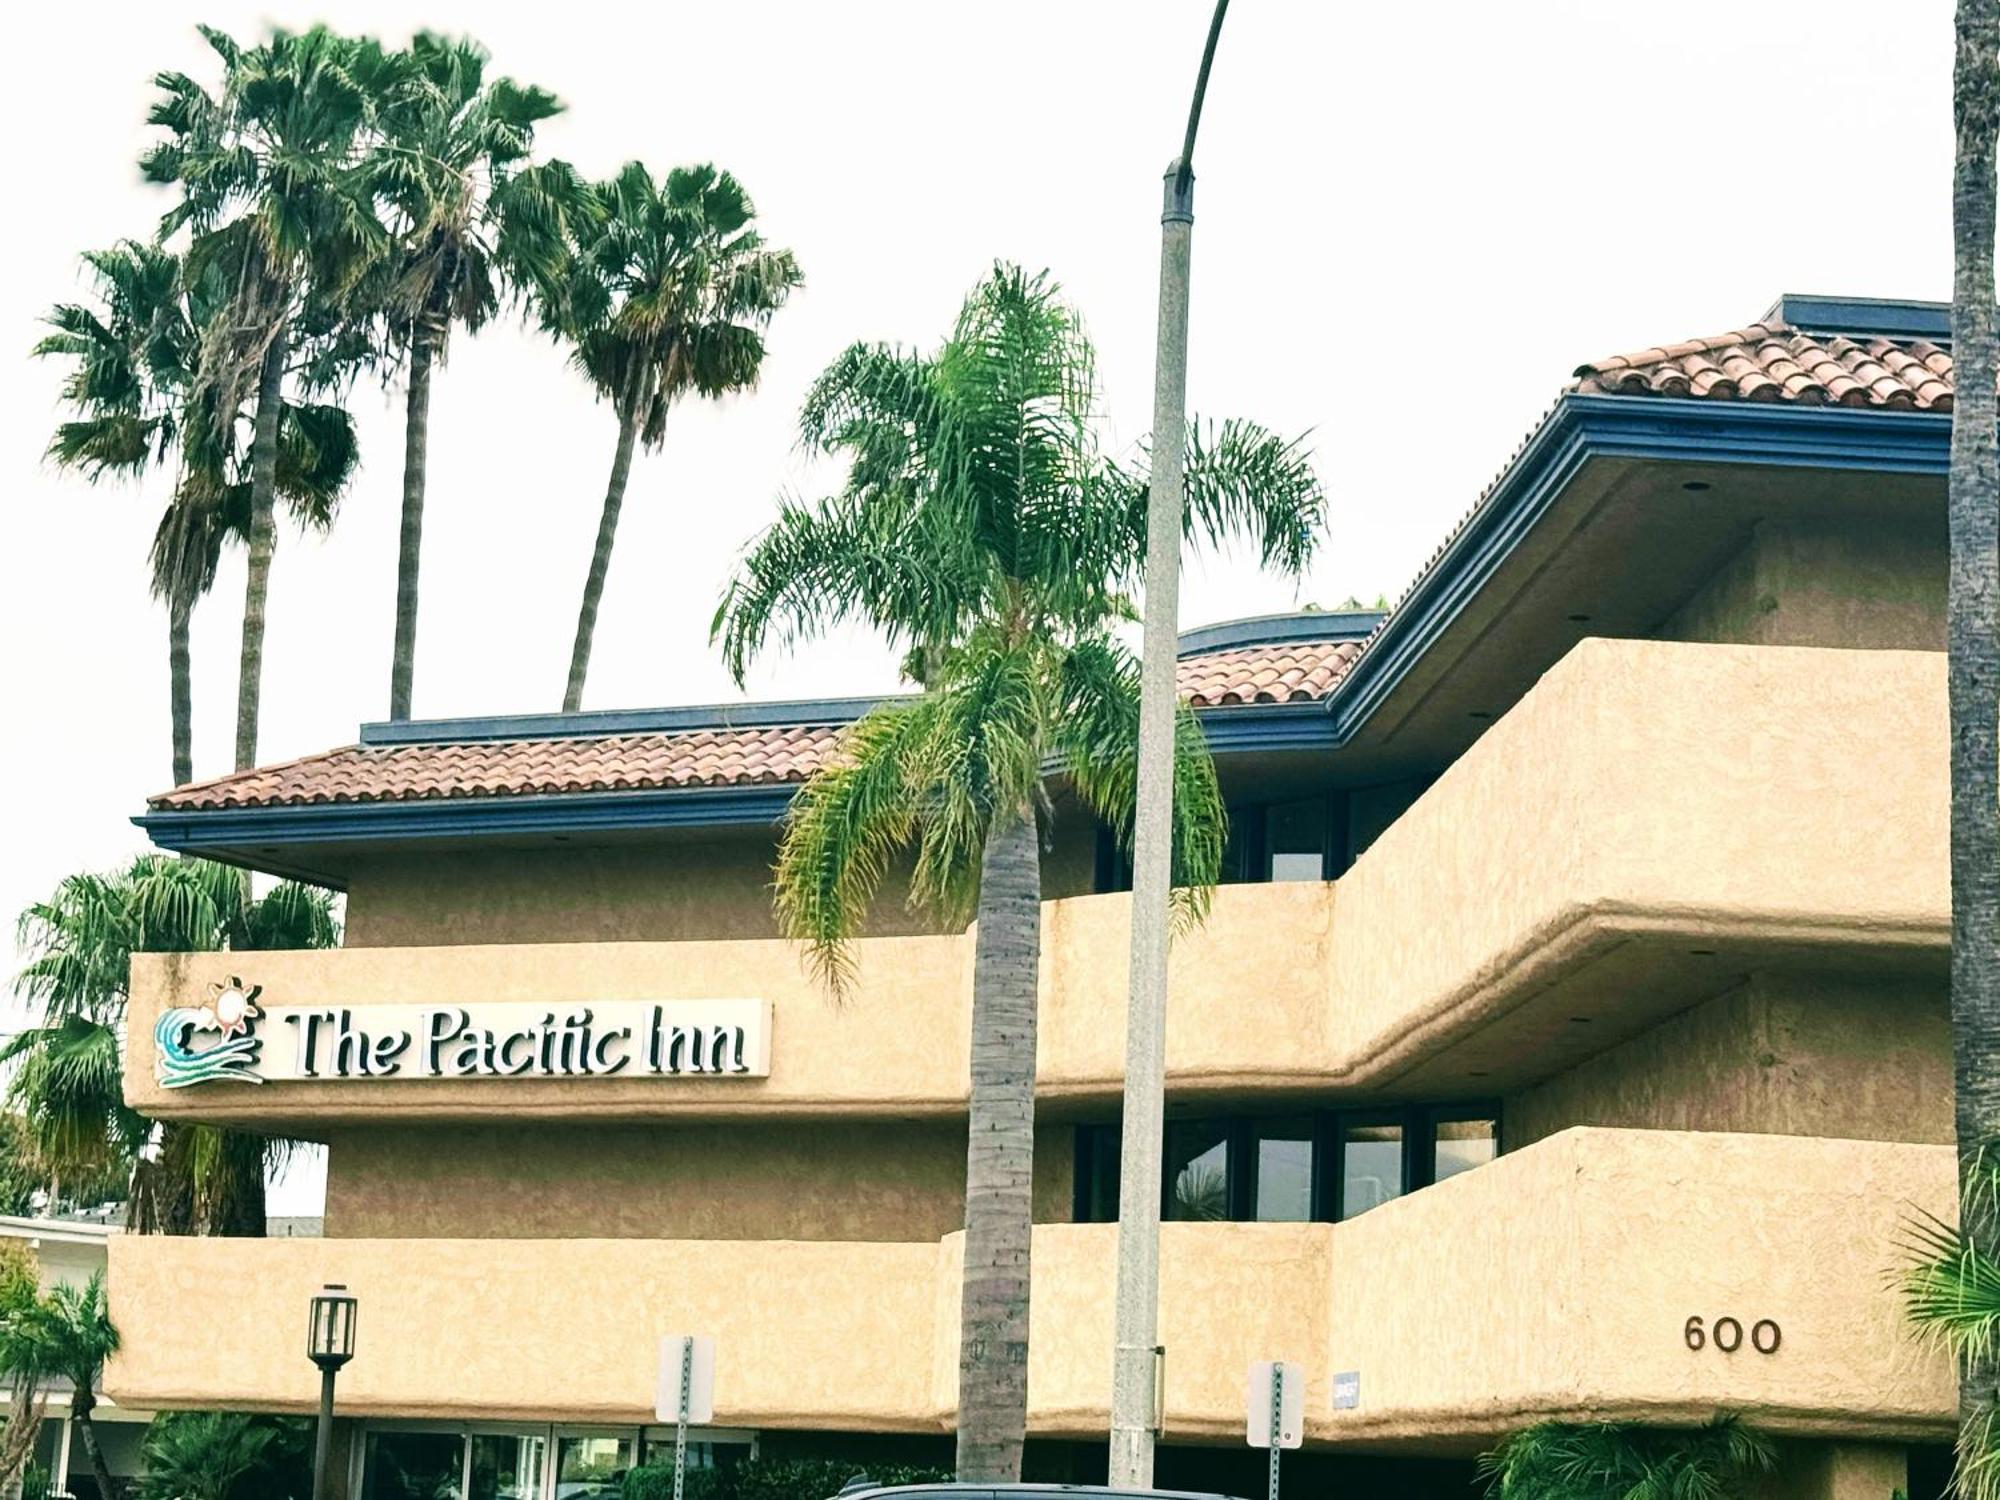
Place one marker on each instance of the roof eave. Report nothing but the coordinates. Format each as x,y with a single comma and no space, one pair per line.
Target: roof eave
1664,429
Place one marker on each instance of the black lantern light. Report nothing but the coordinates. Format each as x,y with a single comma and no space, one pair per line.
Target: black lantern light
329,1344
330,1339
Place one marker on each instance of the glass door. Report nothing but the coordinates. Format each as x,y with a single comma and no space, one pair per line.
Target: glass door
592,1465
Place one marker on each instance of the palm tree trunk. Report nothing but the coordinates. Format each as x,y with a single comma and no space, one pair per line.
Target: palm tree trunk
1000,1154
236,1199
180,679
629,416
82,1403
1973,652
263,536
416,465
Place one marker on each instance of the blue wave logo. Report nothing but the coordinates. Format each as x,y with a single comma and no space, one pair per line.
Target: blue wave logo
231,1015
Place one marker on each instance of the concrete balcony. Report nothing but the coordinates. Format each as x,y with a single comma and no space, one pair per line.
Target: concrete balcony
1556,1282
1653,821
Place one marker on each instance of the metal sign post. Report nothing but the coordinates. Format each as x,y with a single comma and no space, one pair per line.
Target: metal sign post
686,1392
1274,1411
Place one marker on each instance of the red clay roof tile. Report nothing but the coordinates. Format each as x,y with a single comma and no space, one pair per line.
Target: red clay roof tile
1288,673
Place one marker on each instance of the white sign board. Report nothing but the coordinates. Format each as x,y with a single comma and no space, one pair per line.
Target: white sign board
1278,1388
233,1039
1346,1390
694,1354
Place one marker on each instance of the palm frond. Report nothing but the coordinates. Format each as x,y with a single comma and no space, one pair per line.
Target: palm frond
843,828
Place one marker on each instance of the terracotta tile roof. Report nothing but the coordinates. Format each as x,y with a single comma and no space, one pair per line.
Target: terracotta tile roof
1776,362
1293,672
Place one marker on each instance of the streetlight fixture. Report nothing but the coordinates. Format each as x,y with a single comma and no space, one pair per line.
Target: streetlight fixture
1136,1396
329,1344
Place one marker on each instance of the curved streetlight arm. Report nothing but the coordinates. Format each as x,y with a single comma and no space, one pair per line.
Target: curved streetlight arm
1137,1358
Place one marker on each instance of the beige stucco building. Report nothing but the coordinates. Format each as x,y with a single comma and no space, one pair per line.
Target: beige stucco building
1570,1042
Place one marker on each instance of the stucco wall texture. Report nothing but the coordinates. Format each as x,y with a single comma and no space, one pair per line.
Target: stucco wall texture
796,1180
1464,1315
1838,581
1748,800
1780,1054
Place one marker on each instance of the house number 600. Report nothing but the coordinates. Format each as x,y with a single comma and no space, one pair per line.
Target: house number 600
1727,1335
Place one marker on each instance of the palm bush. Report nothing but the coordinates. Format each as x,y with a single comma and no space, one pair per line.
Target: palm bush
1951,1292
204,1455
1622,1461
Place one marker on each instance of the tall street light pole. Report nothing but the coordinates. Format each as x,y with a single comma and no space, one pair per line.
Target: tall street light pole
1136,1373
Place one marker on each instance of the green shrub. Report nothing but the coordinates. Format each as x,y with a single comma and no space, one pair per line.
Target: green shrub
34,1483
770,1479
213,1455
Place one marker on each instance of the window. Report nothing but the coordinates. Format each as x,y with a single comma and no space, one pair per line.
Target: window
1371,1164
1295,840
415,1466
507,1466
1198,1176
1301,839
1282,1159
1291,1168
1463,1142
591,1466
444,1461
1096,1197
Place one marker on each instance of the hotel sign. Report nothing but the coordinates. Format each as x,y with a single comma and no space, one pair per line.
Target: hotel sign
234,1039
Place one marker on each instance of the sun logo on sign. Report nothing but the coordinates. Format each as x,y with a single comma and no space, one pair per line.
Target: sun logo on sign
230,1016
234,1006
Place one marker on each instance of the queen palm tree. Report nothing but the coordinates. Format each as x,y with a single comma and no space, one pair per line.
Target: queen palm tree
467,210
67,1081
980,528
272,193
134,394
1973,670
669,293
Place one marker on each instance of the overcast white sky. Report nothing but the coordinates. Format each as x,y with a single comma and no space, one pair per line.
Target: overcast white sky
1413,222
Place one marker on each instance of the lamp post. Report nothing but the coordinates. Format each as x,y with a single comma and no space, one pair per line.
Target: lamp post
1136,1392
329,1344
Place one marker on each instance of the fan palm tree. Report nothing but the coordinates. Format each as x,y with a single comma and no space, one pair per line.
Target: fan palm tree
669,293
1616,1461
67,1081
133,392
272,193
1973,672
466,211
980,528
75,1329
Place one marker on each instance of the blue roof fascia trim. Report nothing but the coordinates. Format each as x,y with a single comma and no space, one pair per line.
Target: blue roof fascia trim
599,723
1663,429
559,812
1868,317
1237,728
1230,730
1276,630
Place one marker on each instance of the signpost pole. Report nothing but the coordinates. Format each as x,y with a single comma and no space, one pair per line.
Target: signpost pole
681,1423
1277,1424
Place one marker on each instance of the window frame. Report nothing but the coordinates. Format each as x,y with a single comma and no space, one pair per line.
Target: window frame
1418,1123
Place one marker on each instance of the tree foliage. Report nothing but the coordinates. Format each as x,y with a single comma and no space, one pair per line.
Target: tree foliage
981,530
1620,1461
79,942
